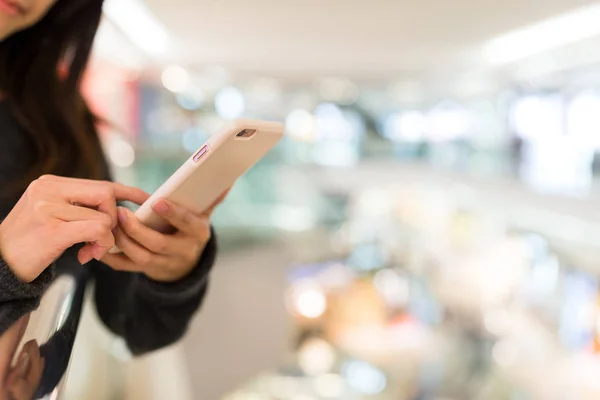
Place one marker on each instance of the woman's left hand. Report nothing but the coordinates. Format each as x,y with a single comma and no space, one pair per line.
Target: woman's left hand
161,257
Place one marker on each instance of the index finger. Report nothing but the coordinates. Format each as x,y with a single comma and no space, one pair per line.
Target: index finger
121,192
101,194
129,193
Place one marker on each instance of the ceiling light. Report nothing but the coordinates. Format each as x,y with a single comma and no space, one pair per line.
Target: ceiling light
555,32
139,24
109,45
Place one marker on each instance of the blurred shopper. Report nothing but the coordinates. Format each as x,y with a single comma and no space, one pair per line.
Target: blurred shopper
58,207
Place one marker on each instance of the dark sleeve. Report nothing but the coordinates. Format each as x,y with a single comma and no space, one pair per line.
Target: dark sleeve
150,315
18,298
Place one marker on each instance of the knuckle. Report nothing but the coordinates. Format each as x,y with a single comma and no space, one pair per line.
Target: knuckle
41,207
132,228
192,253
47,177
99,229
106,220
111,241
202,231
144,258
96,230
105,190
161,245
35,187
204,234
55,231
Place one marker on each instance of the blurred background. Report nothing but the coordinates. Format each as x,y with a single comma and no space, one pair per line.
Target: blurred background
428,227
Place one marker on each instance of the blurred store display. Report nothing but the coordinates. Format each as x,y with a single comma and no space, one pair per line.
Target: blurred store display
456,306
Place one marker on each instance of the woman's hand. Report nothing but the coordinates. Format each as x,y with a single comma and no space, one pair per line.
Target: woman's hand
161,257
56,213
25,376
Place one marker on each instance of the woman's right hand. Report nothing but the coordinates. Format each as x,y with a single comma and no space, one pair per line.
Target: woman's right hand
56,213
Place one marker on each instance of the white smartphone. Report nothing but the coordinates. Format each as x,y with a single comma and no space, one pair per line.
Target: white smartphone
213,168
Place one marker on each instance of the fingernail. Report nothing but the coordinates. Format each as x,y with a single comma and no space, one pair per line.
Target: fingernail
161,207
98,252
23,366
122,215
85,256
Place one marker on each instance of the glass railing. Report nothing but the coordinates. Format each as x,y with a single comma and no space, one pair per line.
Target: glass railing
36,349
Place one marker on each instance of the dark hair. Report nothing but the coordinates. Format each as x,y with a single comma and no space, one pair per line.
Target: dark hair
41,69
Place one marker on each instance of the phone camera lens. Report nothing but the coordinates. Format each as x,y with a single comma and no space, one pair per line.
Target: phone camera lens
246,133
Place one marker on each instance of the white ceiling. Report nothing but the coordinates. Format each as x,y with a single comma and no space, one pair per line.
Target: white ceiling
355,38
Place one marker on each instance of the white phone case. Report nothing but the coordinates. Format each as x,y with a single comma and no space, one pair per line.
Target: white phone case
214,168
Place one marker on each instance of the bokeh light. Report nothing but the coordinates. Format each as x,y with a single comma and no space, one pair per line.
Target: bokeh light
364,377
175,79
583,119
316,357
538,117
394,287
191,101
448,122
230,103
407,126
330,386
300,125
120,152
311,303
